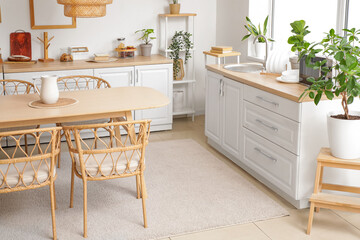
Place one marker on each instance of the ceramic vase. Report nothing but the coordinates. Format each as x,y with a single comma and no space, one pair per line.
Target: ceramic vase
343,138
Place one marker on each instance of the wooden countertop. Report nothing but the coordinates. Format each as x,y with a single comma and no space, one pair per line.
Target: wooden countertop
82,64
268,83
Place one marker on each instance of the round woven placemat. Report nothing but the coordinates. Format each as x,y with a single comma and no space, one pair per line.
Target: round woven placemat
62,102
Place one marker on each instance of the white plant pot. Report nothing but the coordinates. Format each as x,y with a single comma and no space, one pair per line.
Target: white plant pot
343,136
260,50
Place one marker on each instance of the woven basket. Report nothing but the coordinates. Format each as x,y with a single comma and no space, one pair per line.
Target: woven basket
84,8
84,2
84,11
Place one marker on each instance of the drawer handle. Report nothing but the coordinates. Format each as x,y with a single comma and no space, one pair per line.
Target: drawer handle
266,155
268,101
266,125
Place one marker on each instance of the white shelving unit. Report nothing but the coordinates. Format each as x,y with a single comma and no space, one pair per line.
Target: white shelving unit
187,85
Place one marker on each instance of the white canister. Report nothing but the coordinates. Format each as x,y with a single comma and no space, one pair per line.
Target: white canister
178,100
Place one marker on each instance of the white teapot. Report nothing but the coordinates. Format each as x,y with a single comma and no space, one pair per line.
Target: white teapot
49,91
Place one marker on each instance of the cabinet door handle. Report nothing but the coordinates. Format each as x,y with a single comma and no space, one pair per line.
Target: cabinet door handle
220,91
267,125
268,101
137,75
131,78
266,155
222,87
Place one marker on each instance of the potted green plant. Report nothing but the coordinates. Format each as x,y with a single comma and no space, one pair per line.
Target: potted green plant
180,42
254,31
146,46
300,30
174,7
338,79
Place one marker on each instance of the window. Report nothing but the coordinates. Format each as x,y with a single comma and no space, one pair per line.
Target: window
353,14
319,21
320,16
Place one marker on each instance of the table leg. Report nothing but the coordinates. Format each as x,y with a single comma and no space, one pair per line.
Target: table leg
224,60
218,61
130,129
238,59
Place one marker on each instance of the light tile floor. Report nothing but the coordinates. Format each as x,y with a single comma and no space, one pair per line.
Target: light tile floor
328,224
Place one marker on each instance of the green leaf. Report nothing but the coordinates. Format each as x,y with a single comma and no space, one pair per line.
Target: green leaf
350,100
318,98
298,26
265,24
339,56
245,37
329,95
312,95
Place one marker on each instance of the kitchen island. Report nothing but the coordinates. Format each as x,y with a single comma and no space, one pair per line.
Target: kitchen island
262,126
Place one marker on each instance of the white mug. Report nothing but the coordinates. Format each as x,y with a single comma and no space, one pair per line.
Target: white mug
49,91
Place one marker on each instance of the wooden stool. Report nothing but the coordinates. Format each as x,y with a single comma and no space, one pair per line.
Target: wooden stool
331,201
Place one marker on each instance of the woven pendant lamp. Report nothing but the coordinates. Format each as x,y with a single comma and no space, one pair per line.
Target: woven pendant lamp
84,8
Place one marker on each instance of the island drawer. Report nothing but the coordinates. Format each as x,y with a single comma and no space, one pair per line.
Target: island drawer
272,126
285,107
273,163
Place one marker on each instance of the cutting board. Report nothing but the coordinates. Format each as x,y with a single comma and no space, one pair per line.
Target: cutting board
20,43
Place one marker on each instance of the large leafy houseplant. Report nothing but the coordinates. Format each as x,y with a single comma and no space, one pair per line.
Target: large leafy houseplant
345,55
255,31
180,42
339,77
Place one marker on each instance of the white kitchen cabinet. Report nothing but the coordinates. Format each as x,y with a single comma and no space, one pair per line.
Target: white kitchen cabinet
158,77
279,138
223,121
117,77
212,107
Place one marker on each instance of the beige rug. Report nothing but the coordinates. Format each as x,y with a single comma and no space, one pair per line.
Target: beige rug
189,190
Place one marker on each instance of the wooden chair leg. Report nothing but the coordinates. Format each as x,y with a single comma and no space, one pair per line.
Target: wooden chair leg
58,159
55,196
311,216
85,208
317,209
26,144
144,195
72,186
61,136
52,200
138,190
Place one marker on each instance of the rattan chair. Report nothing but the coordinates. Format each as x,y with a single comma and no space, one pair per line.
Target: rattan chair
82,82
117,156
21,170
17,87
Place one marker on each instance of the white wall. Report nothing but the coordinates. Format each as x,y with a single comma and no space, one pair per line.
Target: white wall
230,24
122,20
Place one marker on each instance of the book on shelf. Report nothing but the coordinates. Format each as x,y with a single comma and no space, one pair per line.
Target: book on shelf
219,52
222,48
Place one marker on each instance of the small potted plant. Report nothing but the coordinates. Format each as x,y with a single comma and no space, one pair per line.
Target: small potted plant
255,31
340,79
146,46
174,7
180,42
300,30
